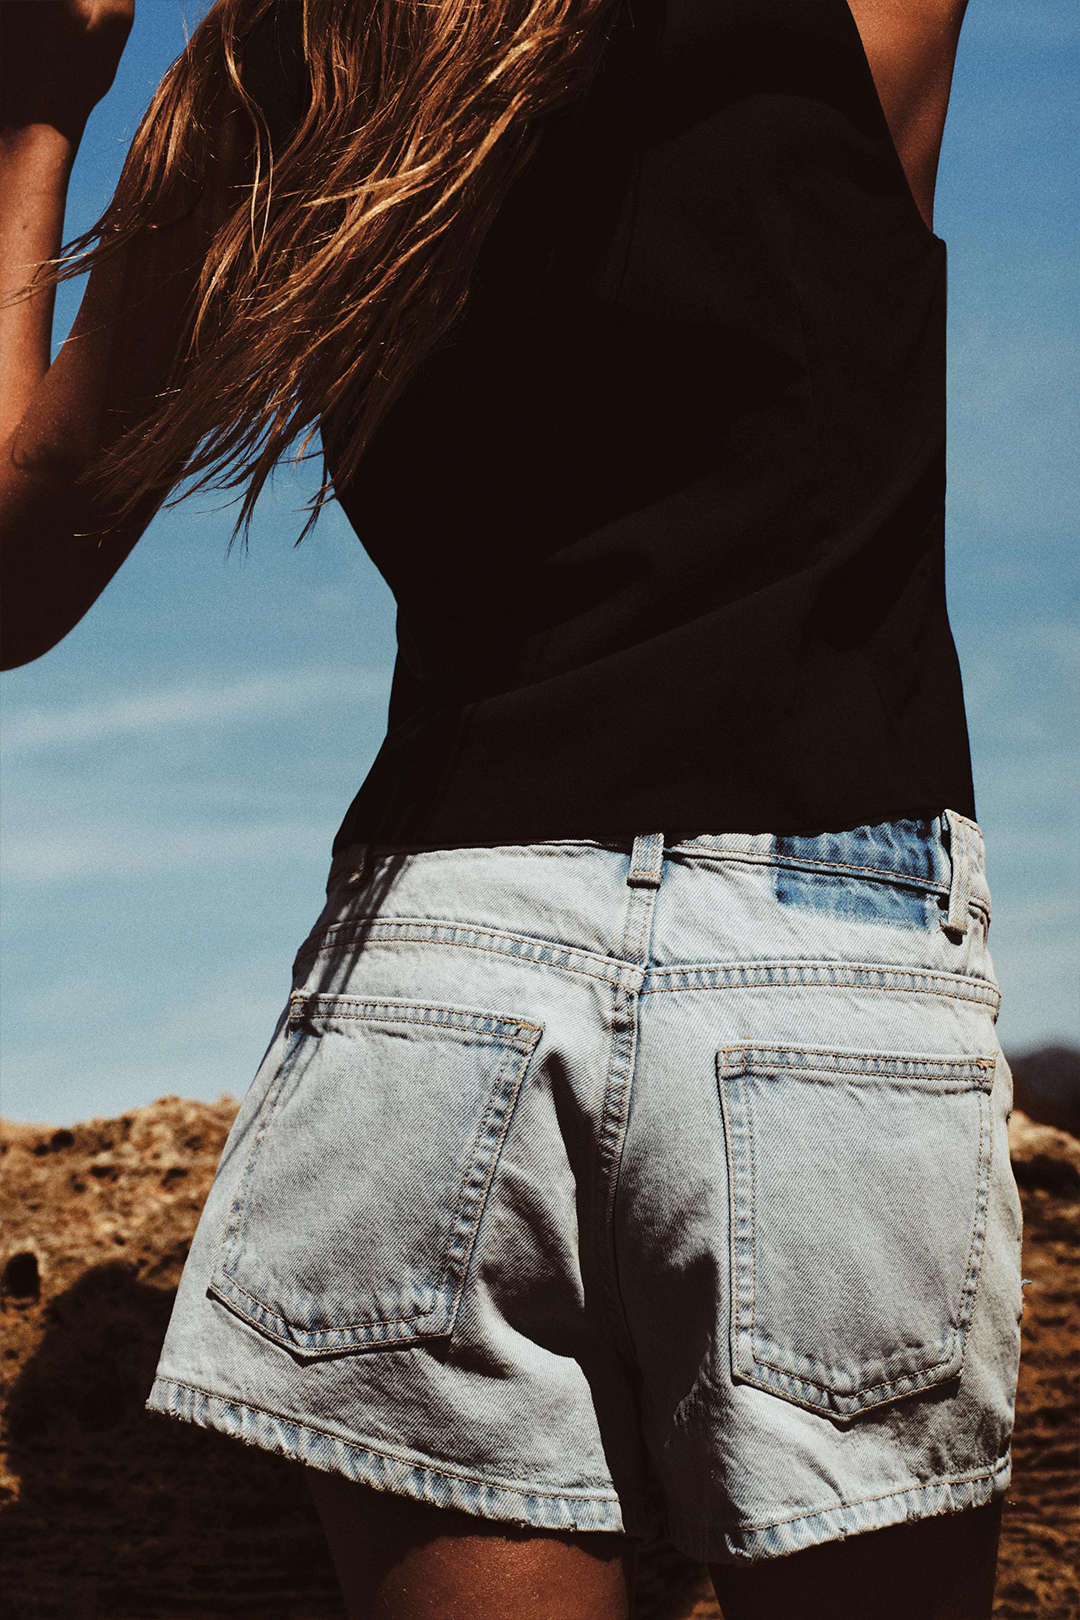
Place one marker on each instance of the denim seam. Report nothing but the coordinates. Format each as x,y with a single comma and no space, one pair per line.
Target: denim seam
619,1083
568,1494
801,862
977,1241
502,1101
235,1287
462,1019
760,858
407,927
961,1067
385,931
613,1130
927,980
873,874
539,848
226,1248
969,1478
980,990
754,1202
548,847
827,975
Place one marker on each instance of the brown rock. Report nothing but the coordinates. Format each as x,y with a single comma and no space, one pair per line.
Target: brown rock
109,1512
1043,1156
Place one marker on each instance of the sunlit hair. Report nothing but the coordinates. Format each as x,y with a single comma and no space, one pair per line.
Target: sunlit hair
348,252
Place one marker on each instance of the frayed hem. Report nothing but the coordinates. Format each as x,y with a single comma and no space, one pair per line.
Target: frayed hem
420,1479
709,1543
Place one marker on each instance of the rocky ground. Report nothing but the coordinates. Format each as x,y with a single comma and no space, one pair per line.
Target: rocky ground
109,1513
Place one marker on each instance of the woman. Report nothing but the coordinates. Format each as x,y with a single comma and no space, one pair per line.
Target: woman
598,1181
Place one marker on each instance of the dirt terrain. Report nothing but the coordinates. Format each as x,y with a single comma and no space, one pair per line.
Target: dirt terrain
110,1513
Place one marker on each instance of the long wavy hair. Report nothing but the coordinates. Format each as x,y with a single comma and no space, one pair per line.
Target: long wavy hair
348,251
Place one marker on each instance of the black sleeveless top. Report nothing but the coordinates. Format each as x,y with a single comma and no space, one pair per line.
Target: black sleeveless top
664,515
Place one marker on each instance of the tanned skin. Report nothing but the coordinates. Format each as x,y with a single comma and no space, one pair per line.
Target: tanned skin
57,60
396,1559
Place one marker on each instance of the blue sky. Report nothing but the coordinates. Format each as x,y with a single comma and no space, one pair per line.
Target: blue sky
175,770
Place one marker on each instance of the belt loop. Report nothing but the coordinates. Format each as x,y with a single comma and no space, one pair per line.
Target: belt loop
646,861
956,920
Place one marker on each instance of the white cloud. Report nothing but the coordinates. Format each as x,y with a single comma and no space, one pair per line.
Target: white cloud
224,702
87,851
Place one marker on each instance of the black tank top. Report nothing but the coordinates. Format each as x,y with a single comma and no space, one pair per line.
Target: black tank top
664,515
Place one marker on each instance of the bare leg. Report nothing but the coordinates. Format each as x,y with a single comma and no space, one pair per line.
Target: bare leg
935,1569
403,1560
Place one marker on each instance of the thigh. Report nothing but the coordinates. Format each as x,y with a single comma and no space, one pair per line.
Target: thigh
402,1560
937,1569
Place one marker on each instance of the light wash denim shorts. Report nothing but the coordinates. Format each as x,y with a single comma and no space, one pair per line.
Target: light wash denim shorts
660,1187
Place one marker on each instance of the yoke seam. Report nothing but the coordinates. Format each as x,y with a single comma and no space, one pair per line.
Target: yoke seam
491,950
619,965
827,975
823,984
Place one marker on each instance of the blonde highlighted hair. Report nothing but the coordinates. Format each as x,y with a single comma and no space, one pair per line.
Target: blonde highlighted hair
348,250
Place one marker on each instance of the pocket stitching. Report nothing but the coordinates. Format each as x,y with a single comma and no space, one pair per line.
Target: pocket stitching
465,1019
521,1042
436,931
403,1321
509,1101
267,1108
957,1068
865,976
733,1063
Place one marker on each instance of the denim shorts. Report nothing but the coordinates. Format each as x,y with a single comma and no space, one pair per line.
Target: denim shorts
658,1186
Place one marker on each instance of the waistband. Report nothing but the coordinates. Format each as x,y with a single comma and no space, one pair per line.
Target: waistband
946,852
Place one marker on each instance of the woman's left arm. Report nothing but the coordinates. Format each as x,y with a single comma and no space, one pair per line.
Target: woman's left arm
59,59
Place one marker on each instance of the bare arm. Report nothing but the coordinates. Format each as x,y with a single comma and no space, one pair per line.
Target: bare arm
55,420
911,47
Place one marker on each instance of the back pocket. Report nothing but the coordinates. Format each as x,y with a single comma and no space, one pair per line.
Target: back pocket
369,1167
858,1189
